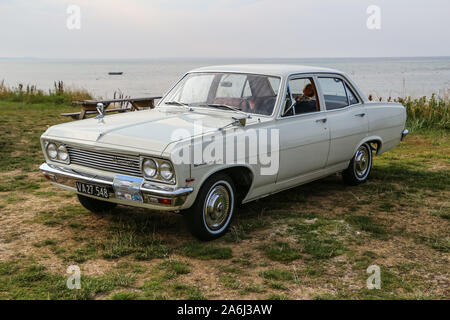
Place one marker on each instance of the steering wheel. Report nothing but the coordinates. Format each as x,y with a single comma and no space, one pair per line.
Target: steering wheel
245,105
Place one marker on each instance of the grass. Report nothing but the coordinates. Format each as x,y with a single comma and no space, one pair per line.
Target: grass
204,251
323,248
21,126
277,297
125,295
276,285
311,242
230,281
185,291
33,281
48,242
30,94
436,242
123,244
367,224
281,251
159,288
314,236
18,183
174,268
277,274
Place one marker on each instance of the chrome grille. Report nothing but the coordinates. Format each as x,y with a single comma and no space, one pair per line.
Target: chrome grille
104,161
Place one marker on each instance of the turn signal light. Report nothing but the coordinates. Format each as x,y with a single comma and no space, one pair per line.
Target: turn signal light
165,201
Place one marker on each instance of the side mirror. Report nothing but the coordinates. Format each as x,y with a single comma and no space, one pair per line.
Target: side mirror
240,119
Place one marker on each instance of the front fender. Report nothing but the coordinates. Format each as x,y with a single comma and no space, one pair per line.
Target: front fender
208,172
203,172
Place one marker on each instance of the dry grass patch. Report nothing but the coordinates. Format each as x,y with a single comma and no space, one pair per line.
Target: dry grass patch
312,242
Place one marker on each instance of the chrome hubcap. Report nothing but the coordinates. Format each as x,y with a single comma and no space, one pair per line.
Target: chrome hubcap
362,161
217,207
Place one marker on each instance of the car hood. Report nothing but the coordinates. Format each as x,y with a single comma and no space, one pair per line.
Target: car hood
150,130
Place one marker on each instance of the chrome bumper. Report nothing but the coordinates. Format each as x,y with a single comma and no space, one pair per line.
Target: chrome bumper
158,197
404,133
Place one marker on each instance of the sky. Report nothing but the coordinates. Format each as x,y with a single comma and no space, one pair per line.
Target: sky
145,29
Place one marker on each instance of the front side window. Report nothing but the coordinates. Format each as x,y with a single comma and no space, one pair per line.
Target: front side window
247,92
304,93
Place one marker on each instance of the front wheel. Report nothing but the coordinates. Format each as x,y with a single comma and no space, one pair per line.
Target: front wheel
210,215
360,166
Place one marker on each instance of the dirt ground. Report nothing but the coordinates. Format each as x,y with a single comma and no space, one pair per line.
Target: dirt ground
312,242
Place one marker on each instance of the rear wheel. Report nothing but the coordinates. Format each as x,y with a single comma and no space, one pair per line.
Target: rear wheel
94,205
210,215
360,166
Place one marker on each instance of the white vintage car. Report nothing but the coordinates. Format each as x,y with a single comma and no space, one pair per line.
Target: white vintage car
222,136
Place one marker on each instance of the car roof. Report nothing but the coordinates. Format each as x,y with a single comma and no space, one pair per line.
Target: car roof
282,70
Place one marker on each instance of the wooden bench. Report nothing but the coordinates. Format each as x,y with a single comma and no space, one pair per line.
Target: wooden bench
90,106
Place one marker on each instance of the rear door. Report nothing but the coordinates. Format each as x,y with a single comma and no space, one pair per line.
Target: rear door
346,114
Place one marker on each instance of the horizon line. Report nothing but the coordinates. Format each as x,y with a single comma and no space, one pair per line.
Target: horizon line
220,58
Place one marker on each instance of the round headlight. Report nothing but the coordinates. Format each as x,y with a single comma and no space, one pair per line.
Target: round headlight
51,151
149,167
62,153
166,171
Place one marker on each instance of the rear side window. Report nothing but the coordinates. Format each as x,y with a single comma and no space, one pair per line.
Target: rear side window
334,93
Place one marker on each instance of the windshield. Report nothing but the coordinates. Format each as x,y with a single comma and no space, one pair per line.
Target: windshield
249,93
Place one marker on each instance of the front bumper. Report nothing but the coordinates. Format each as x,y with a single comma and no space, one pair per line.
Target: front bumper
154,196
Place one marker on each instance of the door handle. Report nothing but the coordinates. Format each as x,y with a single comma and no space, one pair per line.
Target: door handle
360,115
322,120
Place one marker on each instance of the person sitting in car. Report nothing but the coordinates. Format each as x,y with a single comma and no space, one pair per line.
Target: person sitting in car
308,93
306,102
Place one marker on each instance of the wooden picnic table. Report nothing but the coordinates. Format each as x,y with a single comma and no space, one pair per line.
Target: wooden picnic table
90,106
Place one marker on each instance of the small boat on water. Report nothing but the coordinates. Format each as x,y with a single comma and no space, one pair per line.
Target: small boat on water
115,73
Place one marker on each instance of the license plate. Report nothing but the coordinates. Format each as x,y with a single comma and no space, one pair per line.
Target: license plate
92,189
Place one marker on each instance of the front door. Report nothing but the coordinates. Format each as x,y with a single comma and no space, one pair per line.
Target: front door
304,132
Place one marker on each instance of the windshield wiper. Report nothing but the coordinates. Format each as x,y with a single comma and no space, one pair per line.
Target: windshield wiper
177,103
220,105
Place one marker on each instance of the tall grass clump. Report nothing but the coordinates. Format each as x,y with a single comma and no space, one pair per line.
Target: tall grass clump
30,94
427,113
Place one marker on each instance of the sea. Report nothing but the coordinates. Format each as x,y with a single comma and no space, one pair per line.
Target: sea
380,77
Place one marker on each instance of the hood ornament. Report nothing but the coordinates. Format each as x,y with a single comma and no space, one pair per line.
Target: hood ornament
101,112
